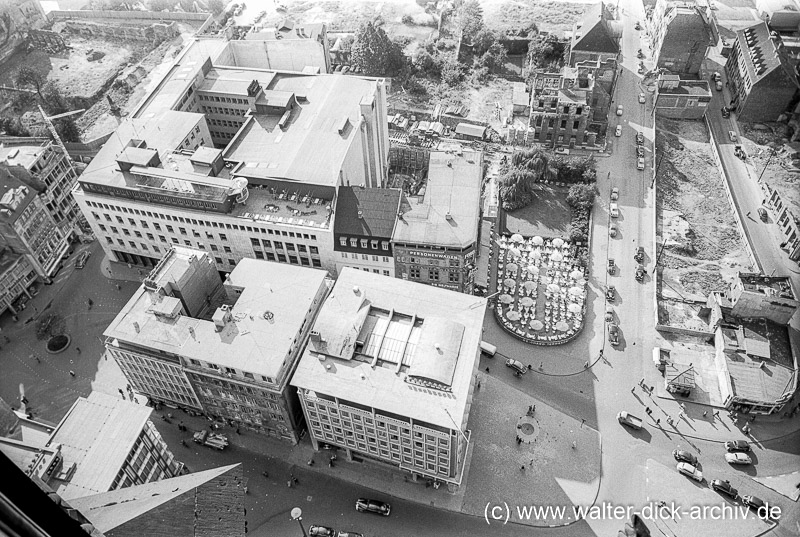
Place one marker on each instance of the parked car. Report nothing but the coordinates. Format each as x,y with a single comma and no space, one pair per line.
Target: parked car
639,151
618,131
321,531
726,113
724,487
689,470
732,136
614,210
614,194
738,458
739,152
349,534
737,445
81,260
613,334
619,110
364,505
638,25
612,229
640,138
640,272
640,54
716,77
642,98
611,293
630,420
640,163
518,368
762,214
753,502
718,85
609,313
682,455
639,255
611,266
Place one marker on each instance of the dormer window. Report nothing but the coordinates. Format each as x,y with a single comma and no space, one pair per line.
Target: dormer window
343,241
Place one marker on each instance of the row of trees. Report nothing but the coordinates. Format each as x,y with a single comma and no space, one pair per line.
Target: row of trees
580,199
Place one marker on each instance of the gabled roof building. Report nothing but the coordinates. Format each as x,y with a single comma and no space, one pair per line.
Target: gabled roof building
683,31
596,36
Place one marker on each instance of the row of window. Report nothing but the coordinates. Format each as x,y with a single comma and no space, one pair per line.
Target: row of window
215,99
551,123
434,274
225,111
222,134
554,104
291,259
229,371
365,257
364,243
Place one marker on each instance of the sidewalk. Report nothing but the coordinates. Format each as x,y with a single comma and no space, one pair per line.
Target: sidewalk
114,270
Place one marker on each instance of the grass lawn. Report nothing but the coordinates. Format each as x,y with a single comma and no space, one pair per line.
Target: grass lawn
548,216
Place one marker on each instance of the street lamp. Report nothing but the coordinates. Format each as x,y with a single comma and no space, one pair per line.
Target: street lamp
297,514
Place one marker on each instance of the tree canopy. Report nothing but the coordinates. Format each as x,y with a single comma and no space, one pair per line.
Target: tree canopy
471,19
27,76
374,53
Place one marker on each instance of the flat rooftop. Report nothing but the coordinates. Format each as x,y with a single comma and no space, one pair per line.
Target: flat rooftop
23,155
249,342
763,370
231,81
297,207
422,340
687,87
446,215
97,434
774,286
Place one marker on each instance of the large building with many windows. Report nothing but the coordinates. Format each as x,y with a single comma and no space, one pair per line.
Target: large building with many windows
436,239
226,349
16,276
26,226
389,374
240,162
683,31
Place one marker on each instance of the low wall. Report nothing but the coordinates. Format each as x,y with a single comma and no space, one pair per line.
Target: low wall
127,17
683,331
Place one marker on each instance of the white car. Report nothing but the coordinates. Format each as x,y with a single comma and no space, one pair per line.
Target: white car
738,458
690,471
732,136
619,110
642,98
618,130
614,194
614,210
718,85
640,163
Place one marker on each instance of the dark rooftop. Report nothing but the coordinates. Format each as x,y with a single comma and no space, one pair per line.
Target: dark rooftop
369,212
778,286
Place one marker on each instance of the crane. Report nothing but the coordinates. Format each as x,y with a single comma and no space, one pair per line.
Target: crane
52,129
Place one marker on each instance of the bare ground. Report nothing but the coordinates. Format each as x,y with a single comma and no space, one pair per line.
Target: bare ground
703,249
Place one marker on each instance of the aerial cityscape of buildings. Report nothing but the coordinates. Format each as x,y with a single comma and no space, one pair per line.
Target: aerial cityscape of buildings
298,266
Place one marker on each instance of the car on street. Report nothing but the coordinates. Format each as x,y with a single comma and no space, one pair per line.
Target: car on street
611,266
518,368
321,531
640,272
732,136
640,163
614,210
682,455
716,77
639,255
726,113
762,214
626,418
364,505
614,194
611,293
738,458
618,131
718,85
642,98
724,487
619,110
690,470
613,334
640,138
638,25
737,445
349,534
81,260
753,502
609,313
612,229
639,151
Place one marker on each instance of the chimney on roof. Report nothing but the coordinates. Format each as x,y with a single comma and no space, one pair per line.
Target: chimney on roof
361,214
356,290
315,337
221,317
448,217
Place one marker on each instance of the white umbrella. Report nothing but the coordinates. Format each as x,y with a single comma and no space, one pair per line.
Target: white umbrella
553,288
513,316
576,274
516,237
510,282
526,302
581,282
529,286
565,246
514,252
536,325
506,299
558,242
512,267
538,241
576,291
536,254
557,256
574,308
533,269
561,326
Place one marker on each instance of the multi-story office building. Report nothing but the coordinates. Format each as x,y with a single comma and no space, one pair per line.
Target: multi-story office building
103,443
389,374
783,199
682,31
761,73
362,232
682,99
291,138
436,239
47,163
595,36
26,225
228,350
16,275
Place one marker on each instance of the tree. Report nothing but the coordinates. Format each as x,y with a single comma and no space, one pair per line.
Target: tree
216,7
471,19
581,196
546,52
495,57
452,72
27,76
374,53
517,179
482,41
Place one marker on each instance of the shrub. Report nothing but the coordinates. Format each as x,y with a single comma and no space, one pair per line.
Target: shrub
408,20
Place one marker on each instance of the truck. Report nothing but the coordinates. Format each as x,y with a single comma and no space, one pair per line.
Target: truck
629,419
216,441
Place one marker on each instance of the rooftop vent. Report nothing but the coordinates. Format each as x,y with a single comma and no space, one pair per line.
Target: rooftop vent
361,214
343,124
448,217
356,290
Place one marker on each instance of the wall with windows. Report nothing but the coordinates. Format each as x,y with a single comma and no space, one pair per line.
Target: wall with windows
14,280
372,254
149,460
37,233
450,269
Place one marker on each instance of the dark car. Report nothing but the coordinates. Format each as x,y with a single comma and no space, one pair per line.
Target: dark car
737,445
373,506
321,531
80,261
639,151
639,138
726,113
724,487
753,502
684,456
613,334
611,293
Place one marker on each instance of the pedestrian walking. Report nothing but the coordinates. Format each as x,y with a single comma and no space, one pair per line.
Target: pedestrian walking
38,361
586,365
716,414
5,338
647,409
658,421
522,468
633,390
705,413
71,373
583,420
78,350
574,444
487,369
641,383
